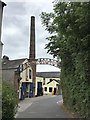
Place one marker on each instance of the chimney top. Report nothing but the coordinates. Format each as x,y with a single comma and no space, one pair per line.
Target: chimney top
32,16
32,39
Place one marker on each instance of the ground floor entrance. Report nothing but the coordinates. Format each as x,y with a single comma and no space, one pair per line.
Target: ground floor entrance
39,89
26,90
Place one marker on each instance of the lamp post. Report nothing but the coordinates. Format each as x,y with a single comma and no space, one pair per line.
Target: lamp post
2,4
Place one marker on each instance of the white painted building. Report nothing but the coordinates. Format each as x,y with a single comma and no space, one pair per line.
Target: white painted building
51,87
50,82
26,79
19,73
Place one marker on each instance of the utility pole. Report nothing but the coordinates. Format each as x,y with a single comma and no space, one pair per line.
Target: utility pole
2,4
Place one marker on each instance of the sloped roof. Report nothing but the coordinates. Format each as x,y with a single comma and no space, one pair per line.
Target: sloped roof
48,74
12,64
53,80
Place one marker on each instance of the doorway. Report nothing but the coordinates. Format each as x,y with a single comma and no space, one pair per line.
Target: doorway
54,91
39,89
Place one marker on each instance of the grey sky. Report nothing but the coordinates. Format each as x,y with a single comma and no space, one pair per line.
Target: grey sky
16,25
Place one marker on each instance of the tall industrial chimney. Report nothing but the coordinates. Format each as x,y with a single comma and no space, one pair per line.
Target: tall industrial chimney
32,39
32,52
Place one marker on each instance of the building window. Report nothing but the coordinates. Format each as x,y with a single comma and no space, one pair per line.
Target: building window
50,89
45,88
43,81
30,74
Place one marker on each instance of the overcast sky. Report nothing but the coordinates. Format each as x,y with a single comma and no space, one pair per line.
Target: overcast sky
16,29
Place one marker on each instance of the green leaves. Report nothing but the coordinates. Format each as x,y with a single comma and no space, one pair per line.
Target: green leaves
9,101
68,26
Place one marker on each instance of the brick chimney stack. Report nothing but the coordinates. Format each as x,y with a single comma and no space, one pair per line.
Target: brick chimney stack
32,39
32,52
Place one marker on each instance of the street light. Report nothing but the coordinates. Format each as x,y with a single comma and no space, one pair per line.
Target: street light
2,4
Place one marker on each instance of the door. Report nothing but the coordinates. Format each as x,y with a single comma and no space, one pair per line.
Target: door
39,89
31,90
54,91
23,90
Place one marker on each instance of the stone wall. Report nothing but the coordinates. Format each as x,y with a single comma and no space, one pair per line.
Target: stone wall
8,75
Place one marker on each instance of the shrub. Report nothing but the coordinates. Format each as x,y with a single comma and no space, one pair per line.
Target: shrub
9,101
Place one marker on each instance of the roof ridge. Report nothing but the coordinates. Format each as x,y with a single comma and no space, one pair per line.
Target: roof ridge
18,59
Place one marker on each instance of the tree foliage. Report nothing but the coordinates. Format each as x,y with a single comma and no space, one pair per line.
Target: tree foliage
9,101
69,34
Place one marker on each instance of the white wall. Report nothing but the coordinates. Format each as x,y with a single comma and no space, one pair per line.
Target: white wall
51,84
25,74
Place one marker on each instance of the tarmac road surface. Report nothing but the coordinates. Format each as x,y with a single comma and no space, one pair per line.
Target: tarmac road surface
42,107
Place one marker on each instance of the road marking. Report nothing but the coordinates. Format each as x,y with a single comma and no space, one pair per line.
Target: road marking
60,102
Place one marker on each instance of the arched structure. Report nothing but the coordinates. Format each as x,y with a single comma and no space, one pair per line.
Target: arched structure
32,55
47,61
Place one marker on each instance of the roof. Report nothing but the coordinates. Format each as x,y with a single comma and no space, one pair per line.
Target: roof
12,64
53,80
48,74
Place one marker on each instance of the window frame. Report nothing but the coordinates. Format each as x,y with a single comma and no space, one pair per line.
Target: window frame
45,89
51,89
30,74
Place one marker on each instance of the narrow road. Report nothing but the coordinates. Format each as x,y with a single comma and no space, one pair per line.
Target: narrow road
42,107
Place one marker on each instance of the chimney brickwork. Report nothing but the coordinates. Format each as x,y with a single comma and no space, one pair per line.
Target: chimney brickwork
32,51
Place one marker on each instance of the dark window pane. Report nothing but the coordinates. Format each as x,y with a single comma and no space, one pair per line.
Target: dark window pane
29,74
50,89
45,88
